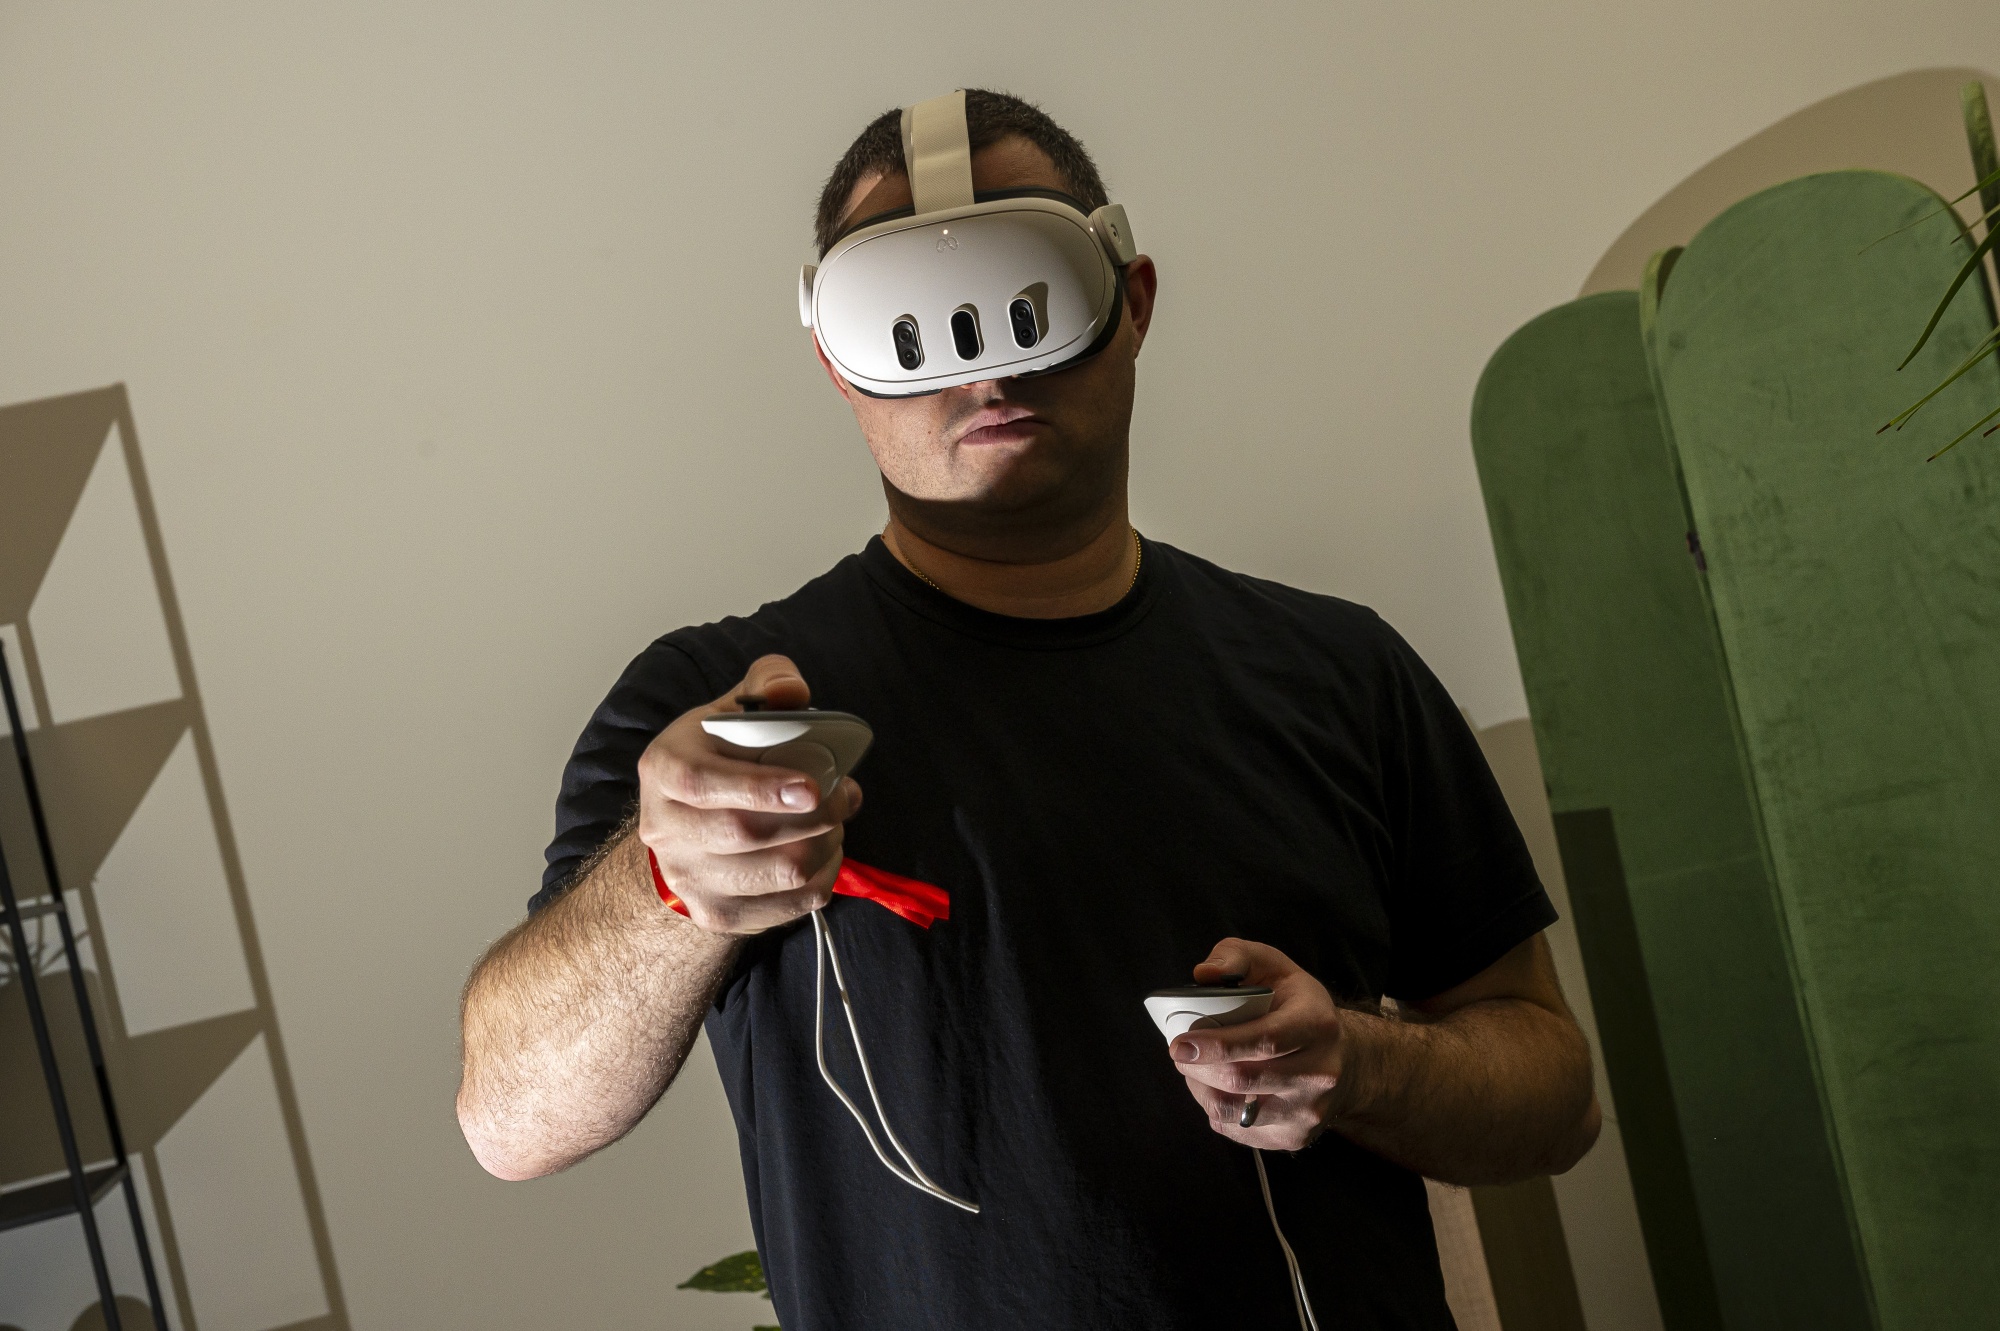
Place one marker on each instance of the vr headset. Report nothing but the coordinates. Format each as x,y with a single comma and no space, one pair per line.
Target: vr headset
965,286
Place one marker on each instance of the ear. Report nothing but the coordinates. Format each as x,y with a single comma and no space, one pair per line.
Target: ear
1142,284
840,385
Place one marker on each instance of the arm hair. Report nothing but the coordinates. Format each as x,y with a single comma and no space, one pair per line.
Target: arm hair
576,1022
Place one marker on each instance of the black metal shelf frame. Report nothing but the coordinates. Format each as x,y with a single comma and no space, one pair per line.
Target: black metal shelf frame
78,1193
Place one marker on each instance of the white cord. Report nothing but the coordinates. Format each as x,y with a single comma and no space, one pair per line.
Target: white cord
1300,1299
868,1078
822,950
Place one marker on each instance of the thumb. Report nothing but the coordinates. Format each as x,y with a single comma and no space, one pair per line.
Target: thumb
775,681
1248,963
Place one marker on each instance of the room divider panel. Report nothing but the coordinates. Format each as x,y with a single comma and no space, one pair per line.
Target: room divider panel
1762,652
1710,1074
1856,590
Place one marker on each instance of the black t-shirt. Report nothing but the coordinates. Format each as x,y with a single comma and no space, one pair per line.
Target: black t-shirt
1104,798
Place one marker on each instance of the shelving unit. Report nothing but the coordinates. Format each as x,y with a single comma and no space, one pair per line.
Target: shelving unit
84,1186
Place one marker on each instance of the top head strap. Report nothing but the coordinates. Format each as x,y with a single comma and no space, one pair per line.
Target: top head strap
937,152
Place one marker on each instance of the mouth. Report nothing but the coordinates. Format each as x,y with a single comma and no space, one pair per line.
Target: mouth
1000,425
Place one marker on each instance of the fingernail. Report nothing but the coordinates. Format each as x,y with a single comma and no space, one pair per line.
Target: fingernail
798,795
1184,1051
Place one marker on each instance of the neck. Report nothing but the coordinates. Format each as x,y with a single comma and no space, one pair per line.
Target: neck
1092,576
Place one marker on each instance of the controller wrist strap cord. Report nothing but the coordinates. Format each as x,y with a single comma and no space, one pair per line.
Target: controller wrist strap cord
1300,1299
823,951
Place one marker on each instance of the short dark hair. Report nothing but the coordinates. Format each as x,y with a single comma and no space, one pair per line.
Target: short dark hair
989,117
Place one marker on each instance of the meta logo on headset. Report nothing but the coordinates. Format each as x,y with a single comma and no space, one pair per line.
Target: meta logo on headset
965,286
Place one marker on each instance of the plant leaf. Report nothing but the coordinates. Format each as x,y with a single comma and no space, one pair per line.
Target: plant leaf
741,1273
1985,349
1962,438
1939,211
1971,266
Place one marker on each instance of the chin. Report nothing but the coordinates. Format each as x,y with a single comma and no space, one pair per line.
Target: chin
1005,482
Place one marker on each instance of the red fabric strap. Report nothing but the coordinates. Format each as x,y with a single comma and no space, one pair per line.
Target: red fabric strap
918,902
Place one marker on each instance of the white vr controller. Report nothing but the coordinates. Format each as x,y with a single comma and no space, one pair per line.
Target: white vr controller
1205,1006
823,745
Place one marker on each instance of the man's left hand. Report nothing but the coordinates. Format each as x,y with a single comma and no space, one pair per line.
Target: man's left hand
1290,1059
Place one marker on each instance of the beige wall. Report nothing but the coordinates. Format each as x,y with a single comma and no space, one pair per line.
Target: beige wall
449,330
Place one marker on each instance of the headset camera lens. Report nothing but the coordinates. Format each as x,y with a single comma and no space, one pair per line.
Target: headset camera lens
909,351
1022,314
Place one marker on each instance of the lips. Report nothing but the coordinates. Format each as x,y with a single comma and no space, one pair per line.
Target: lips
1016,432
1004,425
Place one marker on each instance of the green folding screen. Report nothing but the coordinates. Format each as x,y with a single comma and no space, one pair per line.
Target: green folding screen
1762,653
1857,590
1704,1047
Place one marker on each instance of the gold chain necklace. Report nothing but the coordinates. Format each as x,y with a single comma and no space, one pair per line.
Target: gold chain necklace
1138,560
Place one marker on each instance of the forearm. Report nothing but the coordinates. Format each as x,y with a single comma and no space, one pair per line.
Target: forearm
1496,1091
575,1023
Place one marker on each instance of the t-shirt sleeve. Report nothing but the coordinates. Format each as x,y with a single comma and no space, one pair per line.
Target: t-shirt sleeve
1465,888
601,783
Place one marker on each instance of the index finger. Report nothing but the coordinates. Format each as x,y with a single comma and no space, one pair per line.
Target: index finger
1244,961
691,771
771,680
1270,1036
696,771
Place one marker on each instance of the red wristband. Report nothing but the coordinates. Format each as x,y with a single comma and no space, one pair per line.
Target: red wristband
918,902
660,884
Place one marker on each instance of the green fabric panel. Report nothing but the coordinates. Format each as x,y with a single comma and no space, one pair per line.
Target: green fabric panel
1631,717
1857,594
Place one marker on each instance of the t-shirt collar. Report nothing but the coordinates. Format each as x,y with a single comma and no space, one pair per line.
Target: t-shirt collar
892,576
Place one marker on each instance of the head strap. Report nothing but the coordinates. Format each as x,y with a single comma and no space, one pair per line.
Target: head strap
937,152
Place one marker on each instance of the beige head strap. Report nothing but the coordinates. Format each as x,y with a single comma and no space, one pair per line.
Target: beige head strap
937,151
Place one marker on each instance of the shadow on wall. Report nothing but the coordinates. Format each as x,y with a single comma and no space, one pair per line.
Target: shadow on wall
1563,1254
131,1313
143,841
1909,123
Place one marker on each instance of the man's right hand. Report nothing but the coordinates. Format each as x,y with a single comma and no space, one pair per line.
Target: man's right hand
577,1021
745,846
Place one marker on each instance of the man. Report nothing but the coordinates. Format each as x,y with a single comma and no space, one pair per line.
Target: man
1118,761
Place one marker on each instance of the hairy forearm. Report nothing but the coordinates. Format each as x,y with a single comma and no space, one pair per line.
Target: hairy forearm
575,1023
1496,1091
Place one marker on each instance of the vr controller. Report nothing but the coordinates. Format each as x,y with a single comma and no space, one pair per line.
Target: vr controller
823,745
1206,1006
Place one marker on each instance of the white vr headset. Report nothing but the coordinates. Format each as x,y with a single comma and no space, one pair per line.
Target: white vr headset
962,286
